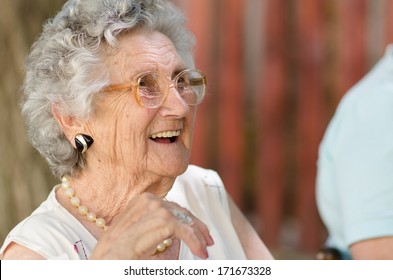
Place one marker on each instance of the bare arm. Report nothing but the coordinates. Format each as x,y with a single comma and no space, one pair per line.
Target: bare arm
18,252
253,246
376,248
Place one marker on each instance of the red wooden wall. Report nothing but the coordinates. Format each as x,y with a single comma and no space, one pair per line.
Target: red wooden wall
276,72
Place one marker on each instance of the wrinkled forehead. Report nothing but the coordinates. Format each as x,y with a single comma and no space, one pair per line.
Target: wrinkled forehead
143,51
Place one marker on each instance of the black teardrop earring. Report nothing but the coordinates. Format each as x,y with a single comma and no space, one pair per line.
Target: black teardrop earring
83,142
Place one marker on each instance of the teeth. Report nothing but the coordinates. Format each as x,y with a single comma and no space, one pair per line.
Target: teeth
166,134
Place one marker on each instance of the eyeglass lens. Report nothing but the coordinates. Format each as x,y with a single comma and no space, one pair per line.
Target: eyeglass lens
153,87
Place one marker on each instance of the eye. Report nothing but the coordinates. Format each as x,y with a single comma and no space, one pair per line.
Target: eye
149,84
183,83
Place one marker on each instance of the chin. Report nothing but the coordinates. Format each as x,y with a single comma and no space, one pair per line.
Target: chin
173,169
180,169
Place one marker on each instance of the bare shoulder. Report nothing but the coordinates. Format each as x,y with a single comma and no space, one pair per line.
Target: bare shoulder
15,251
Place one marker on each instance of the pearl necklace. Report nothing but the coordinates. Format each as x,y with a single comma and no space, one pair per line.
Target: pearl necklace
91,217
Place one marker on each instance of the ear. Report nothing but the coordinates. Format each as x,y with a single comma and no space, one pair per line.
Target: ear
70,125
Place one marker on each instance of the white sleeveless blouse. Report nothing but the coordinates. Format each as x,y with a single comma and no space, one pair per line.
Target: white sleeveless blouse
54,233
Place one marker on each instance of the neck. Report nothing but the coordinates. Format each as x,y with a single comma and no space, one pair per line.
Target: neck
107,194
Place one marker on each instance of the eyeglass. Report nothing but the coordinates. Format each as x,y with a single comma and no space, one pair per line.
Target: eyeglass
152,87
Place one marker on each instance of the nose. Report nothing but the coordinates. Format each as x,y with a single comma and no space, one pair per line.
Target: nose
174,105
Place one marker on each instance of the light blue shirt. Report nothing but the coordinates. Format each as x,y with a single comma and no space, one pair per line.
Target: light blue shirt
355,165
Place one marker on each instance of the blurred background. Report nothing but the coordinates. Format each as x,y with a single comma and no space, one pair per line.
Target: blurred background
276,72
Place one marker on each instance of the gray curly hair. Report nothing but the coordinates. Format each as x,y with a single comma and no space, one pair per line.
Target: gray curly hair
65,65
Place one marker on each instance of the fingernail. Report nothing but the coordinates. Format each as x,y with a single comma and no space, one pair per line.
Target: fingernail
210,241
205,253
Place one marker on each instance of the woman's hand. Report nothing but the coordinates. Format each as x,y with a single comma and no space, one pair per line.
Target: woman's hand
146,222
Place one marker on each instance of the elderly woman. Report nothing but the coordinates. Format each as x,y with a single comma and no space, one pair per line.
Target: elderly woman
110,102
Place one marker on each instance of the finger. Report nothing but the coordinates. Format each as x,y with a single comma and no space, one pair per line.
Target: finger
185,216
182,215
188,228
206,234
148,233
203,230
193,238
180,223
147,245
162,225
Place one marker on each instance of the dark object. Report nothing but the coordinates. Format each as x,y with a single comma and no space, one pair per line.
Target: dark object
83,142
328,253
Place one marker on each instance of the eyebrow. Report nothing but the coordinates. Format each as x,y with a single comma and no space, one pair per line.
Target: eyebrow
177,71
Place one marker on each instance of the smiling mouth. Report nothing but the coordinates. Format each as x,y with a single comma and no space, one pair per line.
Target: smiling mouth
165,137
